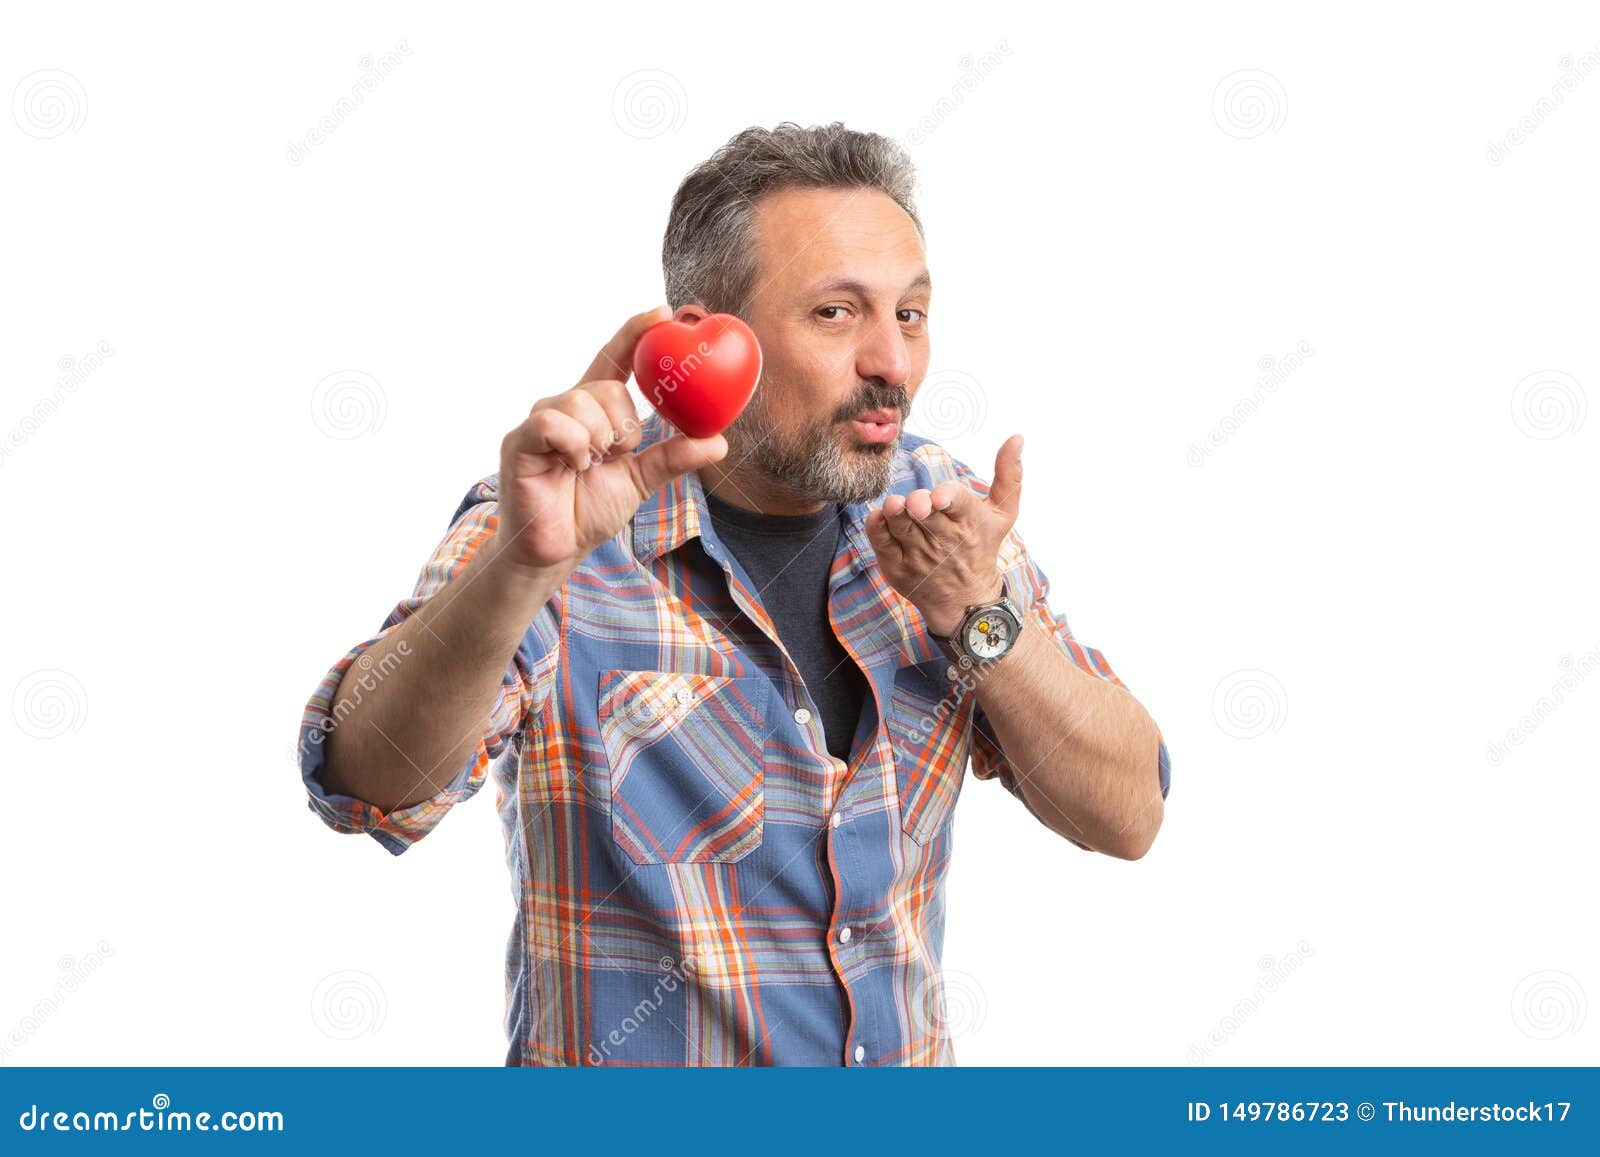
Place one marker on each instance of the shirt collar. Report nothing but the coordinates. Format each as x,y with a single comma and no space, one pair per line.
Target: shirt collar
676,513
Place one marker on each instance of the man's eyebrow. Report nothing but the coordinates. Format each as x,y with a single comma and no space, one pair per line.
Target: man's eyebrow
851,285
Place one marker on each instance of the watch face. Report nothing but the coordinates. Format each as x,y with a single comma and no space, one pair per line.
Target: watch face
989,634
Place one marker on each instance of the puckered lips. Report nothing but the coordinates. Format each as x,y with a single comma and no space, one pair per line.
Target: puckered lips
877,426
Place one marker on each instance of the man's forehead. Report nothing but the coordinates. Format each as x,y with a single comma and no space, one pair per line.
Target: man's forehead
814,238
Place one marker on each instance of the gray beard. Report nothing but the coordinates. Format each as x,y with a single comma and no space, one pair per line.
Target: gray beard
812,466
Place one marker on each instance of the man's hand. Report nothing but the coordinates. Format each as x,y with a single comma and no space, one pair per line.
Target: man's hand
939,548
569,480
569,477
1083,752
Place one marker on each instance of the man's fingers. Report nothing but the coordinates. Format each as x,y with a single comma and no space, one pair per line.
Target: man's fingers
626,429
1005,492
896,518
615,359
664,461
878,534
931,512
956,500
551,433
582,405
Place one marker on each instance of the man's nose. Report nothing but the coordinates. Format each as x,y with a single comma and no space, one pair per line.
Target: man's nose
883,354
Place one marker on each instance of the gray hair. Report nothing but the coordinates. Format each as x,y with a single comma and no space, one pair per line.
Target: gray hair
708,252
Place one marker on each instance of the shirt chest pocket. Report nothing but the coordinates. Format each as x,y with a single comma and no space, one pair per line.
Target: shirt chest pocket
686,755
930,733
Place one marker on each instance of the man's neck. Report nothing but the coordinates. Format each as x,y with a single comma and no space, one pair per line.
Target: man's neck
753,490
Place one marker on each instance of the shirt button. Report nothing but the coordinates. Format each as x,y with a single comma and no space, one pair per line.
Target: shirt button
844,935
685,695
860,1052
802,716
837,819
951,673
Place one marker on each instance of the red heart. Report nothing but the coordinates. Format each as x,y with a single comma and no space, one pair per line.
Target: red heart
698,377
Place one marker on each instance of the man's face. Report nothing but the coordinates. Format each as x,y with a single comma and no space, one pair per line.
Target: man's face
840,307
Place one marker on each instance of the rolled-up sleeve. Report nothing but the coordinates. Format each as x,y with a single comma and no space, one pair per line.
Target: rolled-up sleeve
523,689
1029,588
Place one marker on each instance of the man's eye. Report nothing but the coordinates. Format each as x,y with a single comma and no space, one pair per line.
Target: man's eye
830,312
912,316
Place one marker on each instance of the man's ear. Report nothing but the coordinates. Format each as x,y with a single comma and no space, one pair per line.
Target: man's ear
691,312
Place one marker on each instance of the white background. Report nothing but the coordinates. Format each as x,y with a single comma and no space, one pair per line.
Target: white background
1333,608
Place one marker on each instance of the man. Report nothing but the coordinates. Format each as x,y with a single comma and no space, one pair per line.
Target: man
732,684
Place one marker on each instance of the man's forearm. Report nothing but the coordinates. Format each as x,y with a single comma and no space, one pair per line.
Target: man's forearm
1084,750
405,738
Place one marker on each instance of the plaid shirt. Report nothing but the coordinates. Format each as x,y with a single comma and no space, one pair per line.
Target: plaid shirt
699,881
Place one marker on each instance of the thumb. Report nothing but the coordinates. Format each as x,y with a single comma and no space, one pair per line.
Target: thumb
655,467
1005,492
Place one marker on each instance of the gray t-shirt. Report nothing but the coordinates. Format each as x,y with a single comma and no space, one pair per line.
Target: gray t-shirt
788,558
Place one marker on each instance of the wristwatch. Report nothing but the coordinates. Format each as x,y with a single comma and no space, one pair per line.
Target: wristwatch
986,634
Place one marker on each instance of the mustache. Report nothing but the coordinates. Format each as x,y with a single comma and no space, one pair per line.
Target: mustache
875,396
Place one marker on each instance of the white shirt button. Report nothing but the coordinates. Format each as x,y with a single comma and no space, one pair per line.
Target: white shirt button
860,1052
802,716
685,695
844,935
837,819
951,673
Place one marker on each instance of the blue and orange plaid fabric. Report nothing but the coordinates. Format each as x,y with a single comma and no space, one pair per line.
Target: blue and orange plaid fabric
700,882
